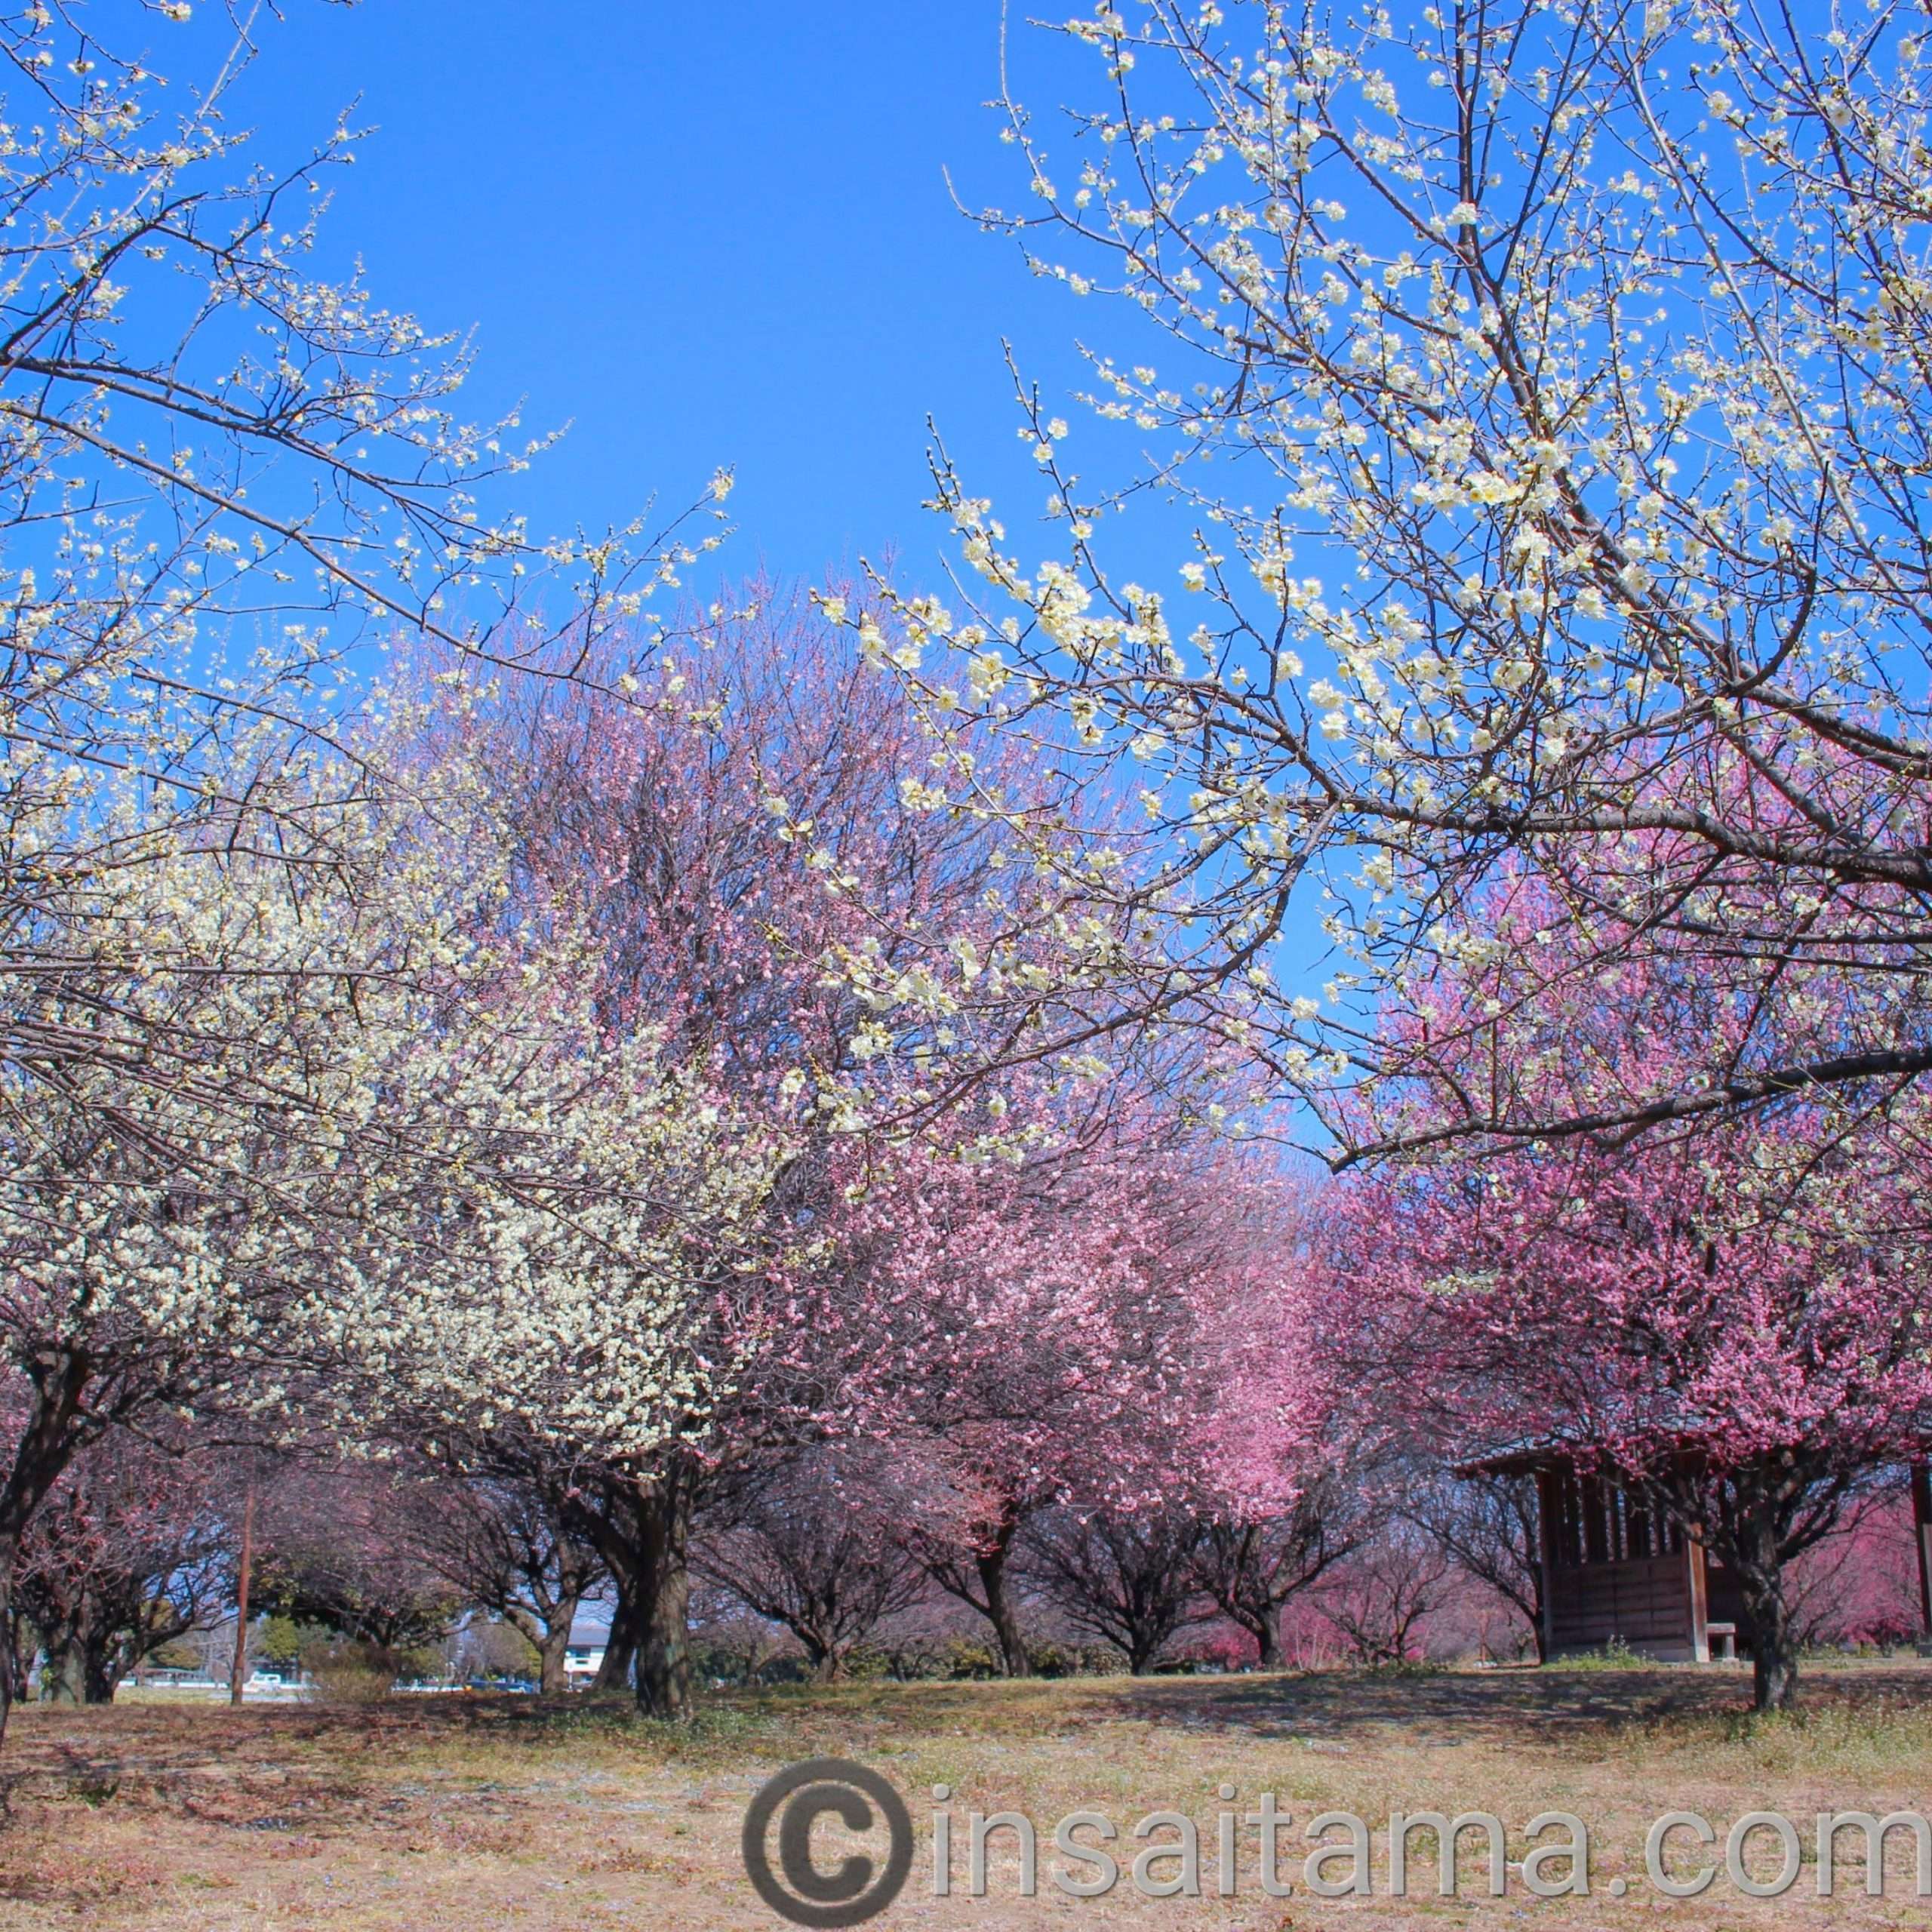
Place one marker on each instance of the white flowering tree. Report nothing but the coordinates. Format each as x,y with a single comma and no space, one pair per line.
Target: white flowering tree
585,1234
194,1160
1548,384
220,473
580,1275
229,907
340,1146
572,1205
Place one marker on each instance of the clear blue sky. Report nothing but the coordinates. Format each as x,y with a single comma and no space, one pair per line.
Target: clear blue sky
706,235
718,234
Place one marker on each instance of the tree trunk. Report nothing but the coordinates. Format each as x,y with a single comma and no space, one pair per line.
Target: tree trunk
21,1650
98,1673
551,1678
1266,1632
85,1658
1235,1579
237,1675
9,1551
1774,1633
613,1672
642,1530
991,1563
664,1642
66,1679
53,1432
1773,1672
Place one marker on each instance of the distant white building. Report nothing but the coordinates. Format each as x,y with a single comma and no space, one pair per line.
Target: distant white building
584,1655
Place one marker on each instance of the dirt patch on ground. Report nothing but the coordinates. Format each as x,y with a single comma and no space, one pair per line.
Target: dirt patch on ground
429,1813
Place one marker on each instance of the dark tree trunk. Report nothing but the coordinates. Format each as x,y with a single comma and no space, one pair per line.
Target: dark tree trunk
83,1660
823,1652
1773,1632
20,1649
664,1642
9,1555
547,1627
1251,1584
98,1669
80,1634
1773,1670
54,1431
613,1672
992,1565
641,1529
1261,1620
1266,1630
66,1680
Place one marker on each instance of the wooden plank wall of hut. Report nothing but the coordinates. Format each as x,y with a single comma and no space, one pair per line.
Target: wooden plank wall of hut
1617,1573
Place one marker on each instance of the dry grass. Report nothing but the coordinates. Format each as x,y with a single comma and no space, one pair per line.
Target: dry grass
422,1814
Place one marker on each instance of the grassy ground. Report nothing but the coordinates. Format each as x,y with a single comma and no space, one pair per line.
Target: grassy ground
421,1814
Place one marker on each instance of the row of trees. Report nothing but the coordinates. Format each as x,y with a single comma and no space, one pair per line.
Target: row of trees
620,1058
814,1566
1581,352
573,1198
542,1178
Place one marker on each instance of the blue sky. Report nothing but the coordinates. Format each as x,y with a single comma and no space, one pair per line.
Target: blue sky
718,234
713,235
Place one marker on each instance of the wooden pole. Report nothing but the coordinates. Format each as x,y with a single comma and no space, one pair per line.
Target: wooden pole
1921,1525
1546,1505
238,1676
1697,1595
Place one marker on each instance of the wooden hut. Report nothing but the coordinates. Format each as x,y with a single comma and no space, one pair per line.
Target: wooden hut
1615,1569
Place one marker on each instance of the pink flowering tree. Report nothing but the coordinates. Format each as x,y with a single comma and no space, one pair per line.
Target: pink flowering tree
1731,1318
703,844
1067,1334
1006,1329
1860,1586
1288,1486
1253,1557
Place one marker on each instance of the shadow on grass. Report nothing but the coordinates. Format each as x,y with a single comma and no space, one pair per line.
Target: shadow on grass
1562,1708
231,1766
